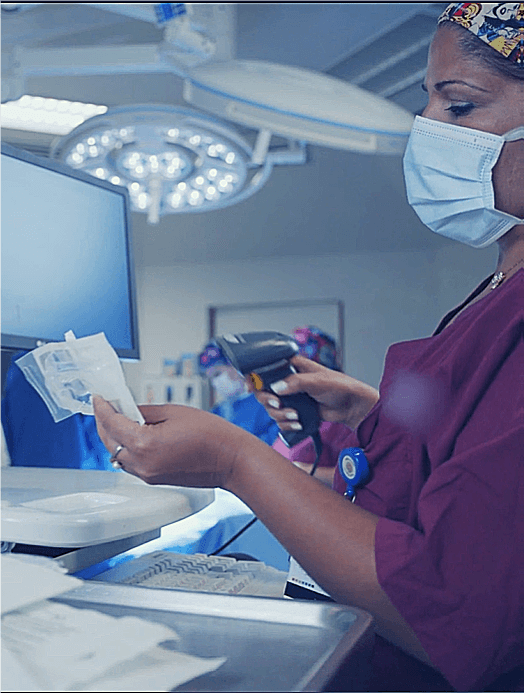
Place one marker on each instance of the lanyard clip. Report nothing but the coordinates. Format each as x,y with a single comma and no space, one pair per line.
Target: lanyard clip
354,469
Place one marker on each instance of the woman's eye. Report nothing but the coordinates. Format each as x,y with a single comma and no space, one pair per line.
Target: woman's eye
460,109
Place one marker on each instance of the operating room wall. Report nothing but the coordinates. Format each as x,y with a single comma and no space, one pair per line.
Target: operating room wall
388,297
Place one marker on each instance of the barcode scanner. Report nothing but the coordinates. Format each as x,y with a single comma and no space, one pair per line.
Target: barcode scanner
265,358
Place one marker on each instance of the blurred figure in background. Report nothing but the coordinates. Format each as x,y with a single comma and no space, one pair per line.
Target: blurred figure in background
236,403
317,345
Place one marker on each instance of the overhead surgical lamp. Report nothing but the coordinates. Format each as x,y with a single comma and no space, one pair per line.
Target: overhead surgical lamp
170,159
178,160
299,104
174,159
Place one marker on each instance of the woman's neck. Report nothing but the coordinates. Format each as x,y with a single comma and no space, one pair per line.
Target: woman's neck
511,251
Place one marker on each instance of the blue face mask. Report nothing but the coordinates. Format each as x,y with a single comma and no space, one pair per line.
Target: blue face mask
447,169
226,387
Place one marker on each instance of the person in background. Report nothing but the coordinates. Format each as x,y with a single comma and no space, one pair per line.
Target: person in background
237,404
33,438
320,347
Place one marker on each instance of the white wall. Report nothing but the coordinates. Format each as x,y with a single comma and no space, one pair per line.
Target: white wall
388,297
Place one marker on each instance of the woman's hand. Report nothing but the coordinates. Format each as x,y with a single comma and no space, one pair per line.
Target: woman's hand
177,445
341,398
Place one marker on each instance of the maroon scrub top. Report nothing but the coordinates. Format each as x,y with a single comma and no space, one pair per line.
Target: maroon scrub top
445,445
446,448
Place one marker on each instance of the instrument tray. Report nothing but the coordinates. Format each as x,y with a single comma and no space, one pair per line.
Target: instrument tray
271,644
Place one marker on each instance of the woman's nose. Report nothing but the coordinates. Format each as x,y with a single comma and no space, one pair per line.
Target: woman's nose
426,113
431,111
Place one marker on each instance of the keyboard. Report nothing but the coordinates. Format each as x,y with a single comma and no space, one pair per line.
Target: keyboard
199,573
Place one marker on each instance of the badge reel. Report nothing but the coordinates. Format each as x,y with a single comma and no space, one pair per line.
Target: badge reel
354,469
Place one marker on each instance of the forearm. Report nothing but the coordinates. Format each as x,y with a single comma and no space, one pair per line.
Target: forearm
323,474
331,538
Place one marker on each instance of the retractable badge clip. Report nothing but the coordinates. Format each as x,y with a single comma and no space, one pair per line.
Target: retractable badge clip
354,469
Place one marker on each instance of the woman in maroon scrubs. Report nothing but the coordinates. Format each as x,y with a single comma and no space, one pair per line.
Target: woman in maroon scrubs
433,546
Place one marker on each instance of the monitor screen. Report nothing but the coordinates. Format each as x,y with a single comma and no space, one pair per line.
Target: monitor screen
66,255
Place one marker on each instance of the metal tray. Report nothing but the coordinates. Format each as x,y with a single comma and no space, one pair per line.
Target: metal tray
270,644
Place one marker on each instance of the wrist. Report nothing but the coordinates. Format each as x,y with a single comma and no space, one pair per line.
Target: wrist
233,453
367,397
247,459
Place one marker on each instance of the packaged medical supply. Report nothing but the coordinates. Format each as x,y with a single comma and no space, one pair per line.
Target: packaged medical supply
67,374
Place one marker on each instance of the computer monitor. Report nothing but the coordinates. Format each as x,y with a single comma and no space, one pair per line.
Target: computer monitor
66,256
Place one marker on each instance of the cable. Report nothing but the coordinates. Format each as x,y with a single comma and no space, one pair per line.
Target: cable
317,442
235,536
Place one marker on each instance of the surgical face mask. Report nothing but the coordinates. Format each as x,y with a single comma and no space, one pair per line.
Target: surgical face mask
227,387
447,169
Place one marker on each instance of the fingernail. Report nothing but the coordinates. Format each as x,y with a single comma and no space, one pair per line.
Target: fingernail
296,426
278,387
274,403
292,415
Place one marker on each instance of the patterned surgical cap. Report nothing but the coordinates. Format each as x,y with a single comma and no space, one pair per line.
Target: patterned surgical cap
212,355
317,346
499,24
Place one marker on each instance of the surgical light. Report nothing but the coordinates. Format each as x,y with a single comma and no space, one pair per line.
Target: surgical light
299,104
171,159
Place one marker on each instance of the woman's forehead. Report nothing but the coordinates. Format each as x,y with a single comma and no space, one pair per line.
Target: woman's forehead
447,61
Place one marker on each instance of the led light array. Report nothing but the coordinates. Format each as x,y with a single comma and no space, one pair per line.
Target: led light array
171,159
194,168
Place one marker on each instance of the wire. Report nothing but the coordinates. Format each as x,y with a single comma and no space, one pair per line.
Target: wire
317,442
235,536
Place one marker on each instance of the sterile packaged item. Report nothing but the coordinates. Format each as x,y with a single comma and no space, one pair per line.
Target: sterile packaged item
67,374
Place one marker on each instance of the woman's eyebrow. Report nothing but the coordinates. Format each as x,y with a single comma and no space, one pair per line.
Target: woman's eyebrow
447,82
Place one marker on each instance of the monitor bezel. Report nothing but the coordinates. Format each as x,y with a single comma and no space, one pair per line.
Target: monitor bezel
19,342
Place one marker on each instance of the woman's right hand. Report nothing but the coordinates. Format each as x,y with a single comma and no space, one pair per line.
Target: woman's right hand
341,398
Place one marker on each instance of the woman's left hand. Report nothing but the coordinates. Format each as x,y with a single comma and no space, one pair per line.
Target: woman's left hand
177,445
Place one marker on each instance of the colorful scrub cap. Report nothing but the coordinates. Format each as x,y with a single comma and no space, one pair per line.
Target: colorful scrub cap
317,346
499,24
212,355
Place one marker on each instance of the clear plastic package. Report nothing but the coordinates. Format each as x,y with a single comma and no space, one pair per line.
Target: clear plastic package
67,374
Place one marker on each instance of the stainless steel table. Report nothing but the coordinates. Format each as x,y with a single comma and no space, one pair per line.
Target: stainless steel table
270,644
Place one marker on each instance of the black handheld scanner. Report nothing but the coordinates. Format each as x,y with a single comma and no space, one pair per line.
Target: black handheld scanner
265,357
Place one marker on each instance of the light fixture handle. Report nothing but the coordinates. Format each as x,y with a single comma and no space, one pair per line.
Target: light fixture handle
155,190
